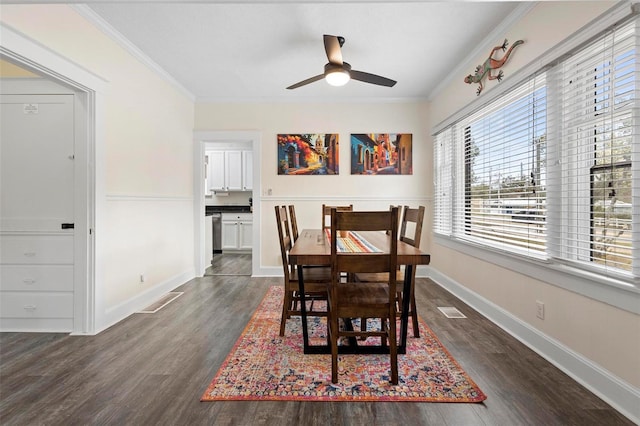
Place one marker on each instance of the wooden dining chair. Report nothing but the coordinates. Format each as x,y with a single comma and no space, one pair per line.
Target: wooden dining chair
350,299
391,206
326,213
412,220
316,279
294,222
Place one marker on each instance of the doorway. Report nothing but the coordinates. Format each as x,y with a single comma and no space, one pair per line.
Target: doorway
37,210
200,140
52,69
230,264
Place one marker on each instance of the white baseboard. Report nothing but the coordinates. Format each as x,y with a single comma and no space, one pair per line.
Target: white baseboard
269,271
616,392
142,300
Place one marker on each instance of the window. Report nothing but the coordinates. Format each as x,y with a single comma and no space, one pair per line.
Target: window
547,170
504,172
597,87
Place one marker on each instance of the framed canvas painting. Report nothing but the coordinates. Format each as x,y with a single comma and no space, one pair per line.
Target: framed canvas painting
381,154
308,154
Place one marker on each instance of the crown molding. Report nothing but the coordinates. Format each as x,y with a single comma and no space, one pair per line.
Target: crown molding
489,40
95,19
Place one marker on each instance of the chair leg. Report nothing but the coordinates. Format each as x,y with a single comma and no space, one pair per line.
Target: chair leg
363,327
333,332
414,317
286,305
393,349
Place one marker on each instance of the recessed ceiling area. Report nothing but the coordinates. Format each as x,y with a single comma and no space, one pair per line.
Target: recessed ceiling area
248,51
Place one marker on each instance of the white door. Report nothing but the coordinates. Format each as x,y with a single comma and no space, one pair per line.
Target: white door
37,212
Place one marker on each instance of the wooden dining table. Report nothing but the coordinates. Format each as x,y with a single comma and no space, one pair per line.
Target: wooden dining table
312,248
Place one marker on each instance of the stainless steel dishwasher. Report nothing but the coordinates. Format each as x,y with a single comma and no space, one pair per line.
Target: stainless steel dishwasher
216,218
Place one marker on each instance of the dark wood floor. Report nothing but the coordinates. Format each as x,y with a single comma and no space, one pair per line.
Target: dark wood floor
230,264
151,369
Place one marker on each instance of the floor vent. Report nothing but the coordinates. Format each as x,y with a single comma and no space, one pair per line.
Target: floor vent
451,312
239,274
164,301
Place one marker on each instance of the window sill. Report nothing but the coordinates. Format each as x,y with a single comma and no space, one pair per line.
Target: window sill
619,293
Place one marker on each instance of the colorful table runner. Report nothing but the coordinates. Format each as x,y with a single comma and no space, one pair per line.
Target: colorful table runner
353,243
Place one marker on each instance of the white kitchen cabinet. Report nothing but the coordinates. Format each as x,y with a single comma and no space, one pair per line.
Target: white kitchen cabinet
247,170
233,171
245,231
215,173
230,170
237,232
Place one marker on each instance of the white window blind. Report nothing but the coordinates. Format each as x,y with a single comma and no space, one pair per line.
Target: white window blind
502,200
443,169
549,169
597,91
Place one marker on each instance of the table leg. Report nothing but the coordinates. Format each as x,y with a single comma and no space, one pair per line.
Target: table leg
404,317
303,309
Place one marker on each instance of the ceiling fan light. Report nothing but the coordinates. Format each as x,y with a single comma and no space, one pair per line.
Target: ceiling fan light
337,77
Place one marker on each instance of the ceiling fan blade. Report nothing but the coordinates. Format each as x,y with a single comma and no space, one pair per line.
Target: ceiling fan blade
332,47
307,81
372,78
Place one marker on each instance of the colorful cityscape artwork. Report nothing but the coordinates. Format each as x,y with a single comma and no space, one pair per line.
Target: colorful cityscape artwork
308,154
381,154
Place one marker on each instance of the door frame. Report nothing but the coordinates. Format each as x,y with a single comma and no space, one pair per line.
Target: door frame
89,168
200,138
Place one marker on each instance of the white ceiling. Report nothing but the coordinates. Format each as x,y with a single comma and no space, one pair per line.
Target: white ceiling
252,50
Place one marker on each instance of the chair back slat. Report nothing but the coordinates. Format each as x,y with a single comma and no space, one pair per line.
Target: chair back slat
391,206
386,221
415,217
362,264
294,222
284,237
326,213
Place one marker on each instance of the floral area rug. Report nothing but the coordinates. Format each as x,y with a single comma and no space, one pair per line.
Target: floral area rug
265,366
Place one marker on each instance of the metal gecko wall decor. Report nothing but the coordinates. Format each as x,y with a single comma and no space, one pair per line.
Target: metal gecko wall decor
491,64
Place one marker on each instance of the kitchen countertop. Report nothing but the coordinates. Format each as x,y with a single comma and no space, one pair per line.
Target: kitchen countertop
209,210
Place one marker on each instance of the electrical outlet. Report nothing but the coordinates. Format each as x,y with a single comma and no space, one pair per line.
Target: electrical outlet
141,278
539,309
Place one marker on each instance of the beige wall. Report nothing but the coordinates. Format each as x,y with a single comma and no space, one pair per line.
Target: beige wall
597,331
309,192
10,70
147,185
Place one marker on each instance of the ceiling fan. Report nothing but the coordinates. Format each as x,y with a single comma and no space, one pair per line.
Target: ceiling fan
337,72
